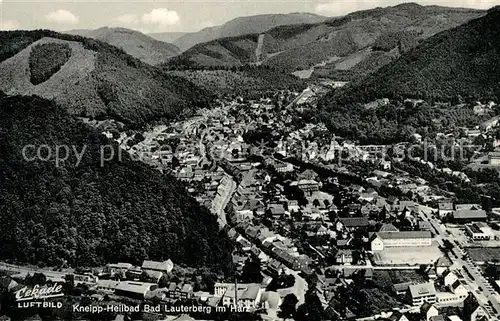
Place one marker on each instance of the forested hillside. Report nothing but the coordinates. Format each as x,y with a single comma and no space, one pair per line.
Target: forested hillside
86,214
134,43
370,38
455,66
243,26
245,81
462,62
396,122
96,80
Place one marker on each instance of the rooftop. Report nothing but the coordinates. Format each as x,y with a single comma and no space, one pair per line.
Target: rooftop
469,214
160,266
354,221
424,289
135,287
404,235
245,291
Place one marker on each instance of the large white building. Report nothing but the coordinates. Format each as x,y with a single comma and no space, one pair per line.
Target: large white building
479,231
419,294
381,240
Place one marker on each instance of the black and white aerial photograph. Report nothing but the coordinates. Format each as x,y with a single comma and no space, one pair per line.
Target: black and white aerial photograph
250,160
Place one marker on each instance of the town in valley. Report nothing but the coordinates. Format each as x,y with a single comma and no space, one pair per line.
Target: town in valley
296,167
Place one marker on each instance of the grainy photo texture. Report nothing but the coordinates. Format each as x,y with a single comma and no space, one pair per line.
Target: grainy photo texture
282,160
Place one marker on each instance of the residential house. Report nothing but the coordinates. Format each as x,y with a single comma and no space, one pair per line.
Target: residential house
107,286
277,211
153,276
494,158
7,283
388,227
344,257
398,316
281,167
293,206
401,288
248,295
442,265
275,267
472,310
306,185
427,311
118,268
353,223
402,206
186,291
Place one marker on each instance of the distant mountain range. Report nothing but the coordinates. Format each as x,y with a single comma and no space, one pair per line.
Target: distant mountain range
464,61
91,78
169,37
135,43
342,48
245,25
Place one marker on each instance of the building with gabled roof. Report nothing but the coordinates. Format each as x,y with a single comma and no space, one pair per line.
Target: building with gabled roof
164,267
427,311
465,213
442,265
388,227
381,240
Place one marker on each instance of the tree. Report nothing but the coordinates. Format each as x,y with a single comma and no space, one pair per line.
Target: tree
163,283
288,307
37,278
252,271
69,283
316,203
311,310
491,272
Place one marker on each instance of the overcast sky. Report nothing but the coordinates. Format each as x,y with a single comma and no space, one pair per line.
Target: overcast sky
178,15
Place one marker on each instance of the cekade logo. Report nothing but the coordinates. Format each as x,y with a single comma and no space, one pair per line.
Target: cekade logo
39,292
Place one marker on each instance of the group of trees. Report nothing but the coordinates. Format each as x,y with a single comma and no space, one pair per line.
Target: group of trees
249,82
394,122
46,59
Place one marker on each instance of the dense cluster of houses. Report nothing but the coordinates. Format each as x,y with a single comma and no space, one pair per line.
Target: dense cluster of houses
289,216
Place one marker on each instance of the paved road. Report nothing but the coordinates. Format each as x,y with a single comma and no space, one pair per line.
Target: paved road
23,270
477,280
299,288
225,191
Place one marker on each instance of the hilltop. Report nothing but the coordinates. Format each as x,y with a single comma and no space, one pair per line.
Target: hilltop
85,214
343,48
135,43
245,25
169,37
461,62
91,78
